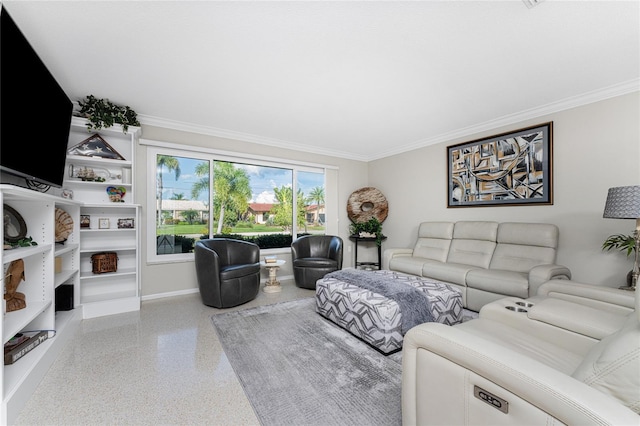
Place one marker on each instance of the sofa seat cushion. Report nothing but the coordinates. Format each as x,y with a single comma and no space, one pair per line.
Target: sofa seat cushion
236,271
314,262
530,346
455,273
409,264
508,283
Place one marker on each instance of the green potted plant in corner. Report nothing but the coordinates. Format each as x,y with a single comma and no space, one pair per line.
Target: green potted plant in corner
621,242
103,113
371,228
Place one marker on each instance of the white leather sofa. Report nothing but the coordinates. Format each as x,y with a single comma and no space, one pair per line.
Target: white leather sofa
570,355
485,260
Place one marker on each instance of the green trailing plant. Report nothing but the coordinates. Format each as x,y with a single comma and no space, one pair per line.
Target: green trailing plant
23,242
620,242
103,113
372,227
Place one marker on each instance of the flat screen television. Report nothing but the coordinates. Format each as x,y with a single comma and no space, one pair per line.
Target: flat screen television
35,112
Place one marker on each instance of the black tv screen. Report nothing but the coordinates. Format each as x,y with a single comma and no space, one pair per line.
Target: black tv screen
35,112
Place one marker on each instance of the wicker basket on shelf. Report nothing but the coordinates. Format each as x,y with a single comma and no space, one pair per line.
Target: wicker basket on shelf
104,262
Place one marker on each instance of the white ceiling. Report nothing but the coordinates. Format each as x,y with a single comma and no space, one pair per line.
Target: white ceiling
360,80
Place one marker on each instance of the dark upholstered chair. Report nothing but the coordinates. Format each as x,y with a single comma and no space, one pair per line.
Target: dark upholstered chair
314,256
228,271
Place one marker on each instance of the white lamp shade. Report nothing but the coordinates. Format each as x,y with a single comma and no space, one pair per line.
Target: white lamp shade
623,202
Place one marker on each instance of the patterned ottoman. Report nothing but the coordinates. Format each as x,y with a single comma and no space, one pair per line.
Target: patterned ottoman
376,319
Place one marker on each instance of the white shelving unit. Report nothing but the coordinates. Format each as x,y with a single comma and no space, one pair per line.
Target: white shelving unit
113,226
111,292
20,379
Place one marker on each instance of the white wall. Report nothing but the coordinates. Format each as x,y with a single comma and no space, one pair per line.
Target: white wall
595,147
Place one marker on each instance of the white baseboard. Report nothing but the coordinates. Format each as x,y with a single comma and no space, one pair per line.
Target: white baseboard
170,294
194,290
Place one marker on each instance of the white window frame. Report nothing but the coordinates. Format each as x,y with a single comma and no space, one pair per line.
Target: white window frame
155,148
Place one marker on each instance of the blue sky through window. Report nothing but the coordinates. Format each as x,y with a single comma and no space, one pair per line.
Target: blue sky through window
263,180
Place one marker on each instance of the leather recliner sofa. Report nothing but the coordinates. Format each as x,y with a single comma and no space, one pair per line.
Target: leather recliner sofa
485,260
570,355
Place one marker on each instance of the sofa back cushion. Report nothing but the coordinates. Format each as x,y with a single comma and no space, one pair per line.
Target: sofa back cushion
521,246
434,239
473,243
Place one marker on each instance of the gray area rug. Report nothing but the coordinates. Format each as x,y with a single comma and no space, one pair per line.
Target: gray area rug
298,368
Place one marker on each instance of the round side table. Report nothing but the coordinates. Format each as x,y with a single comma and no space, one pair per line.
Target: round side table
272,285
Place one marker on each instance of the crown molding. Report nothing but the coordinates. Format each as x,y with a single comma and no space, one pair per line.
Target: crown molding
245,137
562,105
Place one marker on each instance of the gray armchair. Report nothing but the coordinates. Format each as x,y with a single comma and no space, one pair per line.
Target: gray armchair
314,256
228,271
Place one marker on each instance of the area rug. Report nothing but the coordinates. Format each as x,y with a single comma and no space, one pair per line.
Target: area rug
298,368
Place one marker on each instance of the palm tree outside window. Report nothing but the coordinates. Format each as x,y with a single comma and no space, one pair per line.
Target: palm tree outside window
200,196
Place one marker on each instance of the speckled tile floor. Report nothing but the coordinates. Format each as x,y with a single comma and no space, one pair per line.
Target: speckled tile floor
162,365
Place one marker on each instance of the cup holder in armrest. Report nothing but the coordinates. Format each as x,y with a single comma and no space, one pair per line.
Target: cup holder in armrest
516,309
525,304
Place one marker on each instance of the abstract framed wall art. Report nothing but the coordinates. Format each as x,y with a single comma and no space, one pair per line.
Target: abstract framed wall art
508,169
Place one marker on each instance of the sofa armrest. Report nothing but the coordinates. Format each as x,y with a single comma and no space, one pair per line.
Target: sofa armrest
390,253
576,317
455,361
600,297
540,274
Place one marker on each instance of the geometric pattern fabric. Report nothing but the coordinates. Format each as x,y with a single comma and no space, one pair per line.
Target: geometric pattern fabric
376,319
623,202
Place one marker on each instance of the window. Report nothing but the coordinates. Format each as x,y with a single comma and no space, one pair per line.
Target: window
202,194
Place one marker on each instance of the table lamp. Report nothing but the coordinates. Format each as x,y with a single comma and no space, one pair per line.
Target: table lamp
623,202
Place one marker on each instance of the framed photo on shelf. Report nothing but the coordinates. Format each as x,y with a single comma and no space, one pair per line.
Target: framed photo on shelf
127,223
103,223
85,221
513,168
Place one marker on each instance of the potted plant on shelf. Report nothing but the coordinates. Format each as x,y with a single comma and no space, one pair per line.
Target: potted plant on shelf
621,242
103,113
371,228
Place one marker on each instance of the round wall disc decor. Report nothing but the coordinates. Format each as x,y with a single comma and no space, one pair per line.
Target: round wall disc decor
365,203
